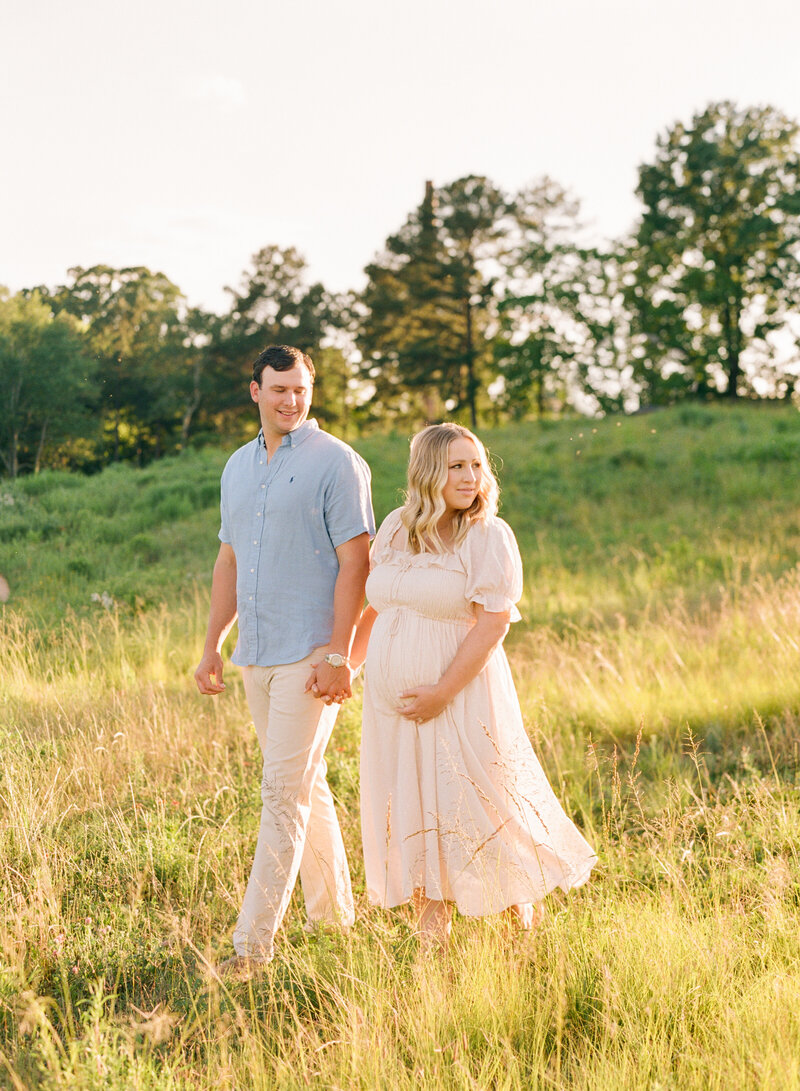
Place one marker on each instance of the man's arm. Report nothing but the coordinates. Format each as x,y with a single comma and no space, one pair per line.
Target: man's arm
348,599
221,617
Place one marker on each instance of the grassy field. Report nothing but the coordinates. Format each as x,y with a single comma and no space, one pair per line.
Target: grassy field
658,665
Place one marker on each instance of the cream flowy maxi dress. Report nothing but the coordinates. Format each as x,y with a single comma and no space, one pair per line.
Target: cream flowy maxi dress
457,807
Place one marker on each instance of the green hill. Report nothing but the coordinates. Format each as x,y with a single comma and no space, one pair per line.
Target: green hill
657,667
613,515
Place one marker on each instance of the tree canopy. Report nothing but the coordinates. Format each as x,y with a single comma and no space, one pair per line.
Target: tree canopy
716,258
48,382
484,305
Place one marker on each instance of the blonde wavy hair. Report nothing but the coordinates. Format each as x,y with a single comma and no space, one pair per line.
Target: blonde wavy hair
427,477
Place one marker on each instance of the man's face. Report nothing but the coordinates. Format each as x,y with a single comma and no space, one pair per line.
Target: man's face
283,399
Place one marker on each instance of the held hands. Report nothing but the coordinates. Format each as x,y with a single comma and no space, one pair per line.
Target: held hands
329,684
208,675
427,702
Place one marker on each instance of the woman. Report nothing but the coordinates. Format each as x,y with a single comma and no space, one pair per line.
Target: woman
455,808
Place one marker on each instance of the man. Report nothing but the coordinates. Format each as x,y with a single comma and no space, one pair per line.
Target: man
293,561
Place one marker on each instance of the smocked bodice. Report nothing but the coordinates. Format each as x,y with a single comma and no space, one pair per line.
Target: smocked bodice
432,585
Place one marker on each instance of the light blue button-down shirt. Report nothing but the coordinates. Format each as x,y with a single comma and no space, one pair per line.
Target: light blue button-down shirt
284,518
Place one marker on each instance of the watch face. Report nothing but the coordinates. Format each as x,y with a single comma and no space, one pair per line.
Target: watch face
335,659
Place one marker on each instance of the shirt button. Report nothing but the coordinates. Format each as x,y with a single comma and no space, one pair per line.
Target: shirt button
263,486
255,541
251,598
252,569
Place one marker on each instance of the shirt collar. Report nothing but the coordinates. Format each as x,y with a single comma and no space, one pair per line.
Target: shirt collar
295,437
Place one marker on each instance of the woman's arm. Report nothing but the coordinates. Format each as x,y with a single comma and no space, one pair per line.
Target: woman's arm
472,656
358,652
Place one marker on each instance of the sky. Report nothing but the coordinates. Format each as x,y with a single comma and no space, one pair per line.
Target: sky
185,136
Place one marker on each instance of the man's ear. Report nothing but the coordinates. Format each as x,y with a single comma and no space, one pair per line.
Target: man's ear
254,391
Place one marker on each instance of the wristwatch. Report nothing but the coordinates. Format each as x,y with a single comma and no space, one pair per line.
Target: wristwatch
336,660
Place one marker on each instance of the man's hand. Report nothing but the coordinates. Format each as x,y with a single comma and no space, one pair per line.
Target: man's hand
329,683
221,617
208,675
333,683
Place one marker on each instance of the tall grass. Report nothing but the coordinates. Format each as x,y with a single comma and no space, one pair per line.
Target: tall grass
658,672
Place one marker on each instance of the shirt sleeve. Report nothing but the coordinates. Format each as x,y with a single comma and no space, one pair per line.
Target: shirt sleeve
224,517
494,567
348,501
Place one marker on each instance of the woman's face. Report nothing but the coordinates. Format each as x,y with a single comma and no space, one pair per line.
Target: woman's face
463,475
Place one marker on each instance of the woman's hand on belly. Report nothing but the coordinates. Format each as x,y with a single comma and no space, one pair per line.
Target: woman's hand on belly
474,652
426,702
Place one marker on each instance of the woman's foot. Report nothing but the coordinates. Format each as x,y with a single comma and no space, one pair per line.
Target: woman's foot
526,916
434,919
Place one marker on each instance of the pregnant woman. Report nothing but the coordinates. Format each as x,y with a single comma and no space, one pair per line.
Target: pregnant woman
455,807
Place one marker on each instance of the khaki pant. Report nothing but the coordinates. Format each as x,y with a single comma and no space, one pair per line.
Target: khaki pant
299,830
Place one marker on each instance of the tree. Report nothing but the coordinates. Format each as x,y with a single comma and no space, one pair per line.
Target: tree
133,323
405,335
48,380
427,302
199,331
471,211
717,253
275,304
563,331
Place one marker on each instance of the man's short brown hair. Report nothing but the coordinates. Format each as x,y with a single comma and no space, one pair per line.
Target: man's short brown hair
281,358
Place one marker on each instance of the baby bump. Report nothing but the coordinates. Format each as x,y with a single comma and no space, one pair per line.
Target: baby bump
407,649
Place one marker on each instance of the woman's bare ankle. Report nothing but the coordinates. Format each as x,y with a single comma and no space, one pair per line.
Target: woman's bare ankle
434,923
526,916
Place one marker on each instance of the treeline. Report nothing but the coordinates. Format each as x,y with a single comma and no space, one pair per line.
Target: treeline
485,305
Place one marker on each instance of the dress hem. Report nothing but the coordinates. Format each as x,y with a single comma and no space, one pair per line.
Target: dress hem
505,902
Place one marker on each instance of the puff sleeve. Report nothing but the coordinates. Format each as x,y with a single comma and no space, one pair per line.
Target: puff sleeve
494,567
382,542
